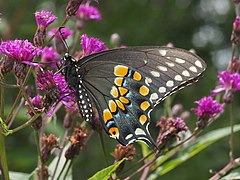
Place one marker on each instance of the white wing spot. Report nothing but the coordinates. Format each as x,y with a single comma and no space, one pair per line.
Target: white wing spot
154,96
193,69
178,78
185,73
128,136
170,83
155,73
148,80
162,68
198,63
163,52
139,131
170,64
181,61
162,89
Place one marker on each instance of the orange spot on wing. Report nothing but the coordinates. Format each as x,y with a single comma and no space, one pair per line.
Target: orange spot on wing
124,100
143,119
114,132
144,90
145,105
114,92
112,106
123,91
120,70
107,115
120,105
137,76
118,81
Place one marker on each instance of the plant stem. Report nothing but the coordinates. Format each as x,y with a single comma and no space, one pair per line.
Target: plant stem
32,119
231,139
60,153
40,162
226,169
2,102
3,158
103,147
18,96
16,113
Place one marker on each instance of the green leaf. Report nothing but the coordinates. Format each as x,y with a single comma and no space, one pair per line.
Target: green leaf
18,175
234,174
106,173
189,150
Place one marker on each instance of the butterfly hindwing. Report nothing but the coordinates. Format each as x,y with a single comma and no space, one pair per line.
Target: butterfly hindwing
123,103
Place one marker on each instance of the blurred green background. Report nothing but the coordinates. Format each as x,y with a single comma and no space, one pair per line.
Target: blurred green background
203,25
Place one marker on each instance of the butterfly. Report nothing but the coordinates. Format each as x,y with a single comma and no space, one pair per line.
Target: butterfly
126,84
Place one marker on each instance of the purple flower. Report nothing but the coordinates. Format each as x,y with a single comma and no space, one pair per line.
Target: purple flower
180,124
91,45
87,12
44,18
169,129
45,81
236,23
49,56
66,94
37,102
56,89
207,107
66,32
22,50
227,81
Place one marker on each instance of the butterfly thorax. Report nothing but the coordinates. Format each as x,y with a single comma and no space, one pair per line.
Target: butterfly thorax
74,78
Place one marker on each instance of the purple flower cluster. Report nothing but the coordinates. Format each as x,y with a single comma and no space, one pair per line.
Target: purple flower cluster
169,128
207,107
87,12
49,56
49,82
227,81
21,50
66,32
44,18
91,45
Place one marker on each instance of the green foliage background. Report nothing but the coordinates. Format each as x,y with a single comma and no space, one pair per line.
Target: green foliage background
203,25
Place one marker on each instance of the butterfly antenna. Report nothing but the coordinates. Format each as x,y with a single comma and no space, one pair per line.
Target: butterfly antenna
63,40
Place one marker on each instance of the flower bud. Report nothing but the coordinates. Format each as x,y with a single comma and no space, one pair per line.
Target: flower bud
177,110
68,120
40,36
72,7
78,141
47,144
228,96
115,40
20,72
6,65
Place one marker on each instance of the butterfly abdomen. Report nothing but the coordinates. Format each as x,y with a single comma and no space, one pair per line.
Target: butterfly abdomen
84,102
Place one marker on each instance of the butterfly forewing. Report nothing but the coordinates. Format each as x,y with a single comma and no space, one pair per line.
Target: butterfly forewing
125,84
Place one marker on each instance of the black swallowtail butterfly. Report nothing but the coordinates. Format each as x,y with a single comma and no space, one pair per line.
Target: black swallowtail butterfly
126,84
